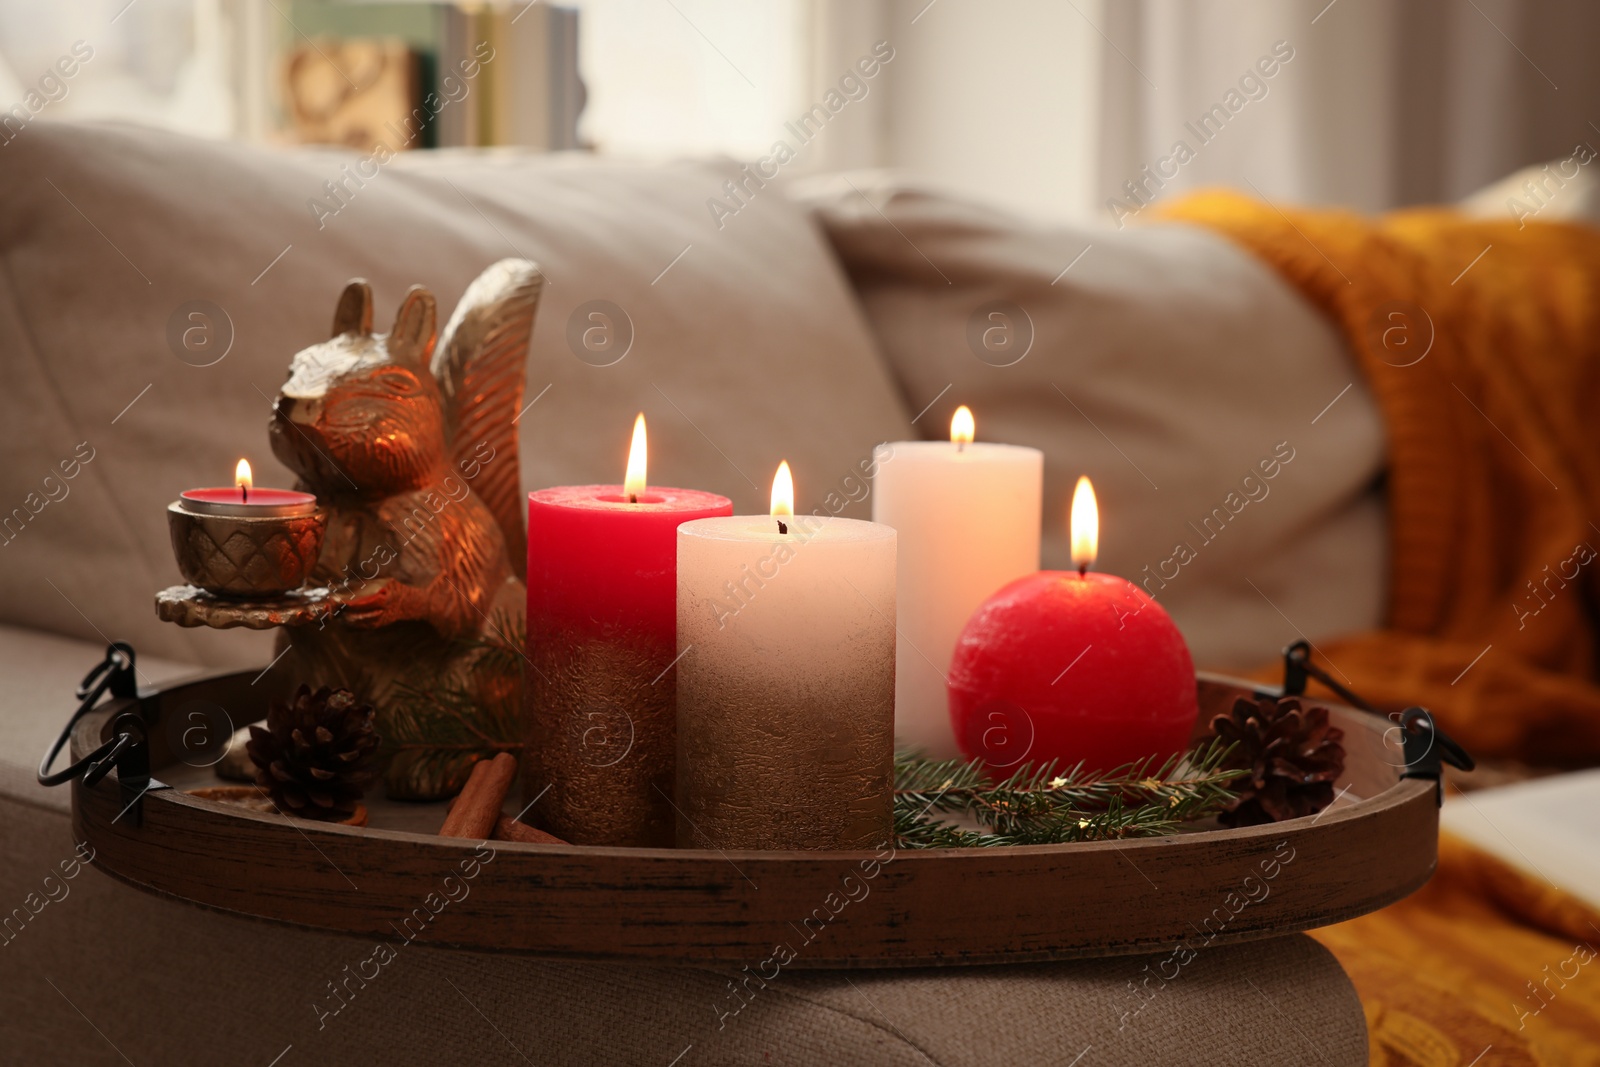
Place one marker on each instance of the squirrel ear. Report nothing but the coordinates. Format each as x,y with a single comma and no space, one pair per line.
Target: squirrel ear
354,313
411,340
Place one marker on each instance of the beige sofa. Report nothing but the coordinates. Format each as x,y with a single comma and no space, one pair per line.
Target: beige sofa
815,323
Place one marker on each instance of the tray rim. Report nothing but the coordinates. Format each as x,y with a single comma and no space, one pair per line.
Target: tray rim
90,806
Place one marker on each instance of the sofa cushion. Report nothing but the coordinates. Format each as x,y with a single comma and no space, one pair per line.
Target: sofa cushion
1233,447
744,347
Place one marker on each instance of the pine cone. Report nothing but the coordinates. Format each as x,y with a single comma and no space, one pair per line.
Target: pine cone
1293,756
315,755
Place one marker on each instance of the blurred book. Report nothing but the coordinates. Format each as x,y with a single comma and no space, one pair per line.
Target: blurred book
538,94
425,75
1548,827
352,91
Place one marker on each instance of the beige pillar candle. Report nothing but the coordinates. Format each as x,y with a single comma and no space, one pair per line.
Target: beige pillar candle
967,515
786,641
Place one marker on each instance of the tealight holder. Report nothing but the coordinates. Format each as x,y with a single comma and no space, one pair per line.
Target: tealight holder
254,550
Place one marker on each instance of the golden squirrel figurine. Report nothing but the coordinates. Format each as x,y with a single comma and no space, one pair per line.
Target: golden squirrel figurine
409,441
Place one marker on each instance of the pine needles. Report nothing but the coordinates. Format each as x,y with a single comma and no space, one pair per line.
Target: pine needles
439,727
1046,805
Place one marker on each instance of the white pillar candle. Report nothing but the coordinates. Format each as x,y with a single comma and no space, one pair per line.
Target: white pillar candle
786,638
967,514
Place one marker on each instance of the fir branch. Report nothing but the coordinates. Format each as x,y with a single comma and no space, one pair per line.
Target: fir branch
445,717
1048,805
437,728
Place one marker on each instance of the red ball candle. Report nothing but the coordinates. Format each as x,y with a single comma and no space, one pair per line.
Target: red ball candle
602,642
1072,667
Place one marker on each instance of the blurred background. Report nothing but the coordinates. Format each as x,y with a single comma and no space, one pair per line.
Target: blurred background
1060,109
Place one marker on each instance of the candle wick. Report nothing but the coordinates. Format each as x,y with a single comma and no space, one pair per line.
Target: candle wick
1083,570
961,446
244,493
782,528
633,498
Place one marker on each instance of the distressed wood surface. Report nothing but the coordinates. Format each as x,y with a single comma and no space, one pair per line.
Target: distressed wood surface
802,909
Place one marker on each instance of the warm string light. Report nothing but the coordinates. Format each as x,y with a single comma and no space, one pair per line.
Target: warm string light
963,428
1085,526
633,483
782,495
241,478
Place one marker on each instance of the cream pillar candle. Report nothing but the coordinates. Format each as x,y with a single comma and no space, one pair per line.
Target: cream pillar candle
785,681
967,514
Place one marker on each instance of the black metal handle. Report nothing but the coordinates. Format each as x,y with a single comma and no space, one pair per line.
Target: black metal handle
128,750
1426,747
1297,667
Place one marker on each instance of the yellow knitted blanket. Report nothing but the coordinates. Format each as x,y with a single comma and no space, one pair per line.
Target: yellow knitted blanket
1481,343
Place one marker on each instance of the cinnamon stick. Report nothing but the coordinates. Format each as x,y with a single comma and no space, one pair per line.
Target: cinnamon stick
508,829
475,810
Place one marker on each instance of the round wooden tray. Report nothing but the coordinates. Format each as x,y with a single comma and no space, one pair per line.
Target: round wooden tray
394,880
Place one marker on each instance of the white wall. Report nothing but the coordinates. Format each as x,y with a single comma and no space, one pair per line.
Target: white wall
993,98
691,77
997,98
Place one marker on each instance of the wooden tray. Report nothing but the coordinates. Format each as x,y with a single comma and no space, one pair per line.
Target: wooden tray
394,880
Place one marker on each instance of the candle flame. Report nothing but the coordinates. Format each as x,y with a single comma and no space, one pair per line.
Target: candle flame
783,490
241,476
963,427
633,482
1085,526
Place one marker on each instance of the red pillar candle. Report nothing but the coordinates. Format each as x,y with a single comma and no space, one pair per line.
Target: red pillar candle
602,624
1072,666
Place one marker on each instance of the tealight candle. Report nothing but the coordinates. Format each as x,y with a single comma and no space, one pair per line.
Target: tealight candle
602,566
259,502
967,515
244,500
246,542
786,680
1072,666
